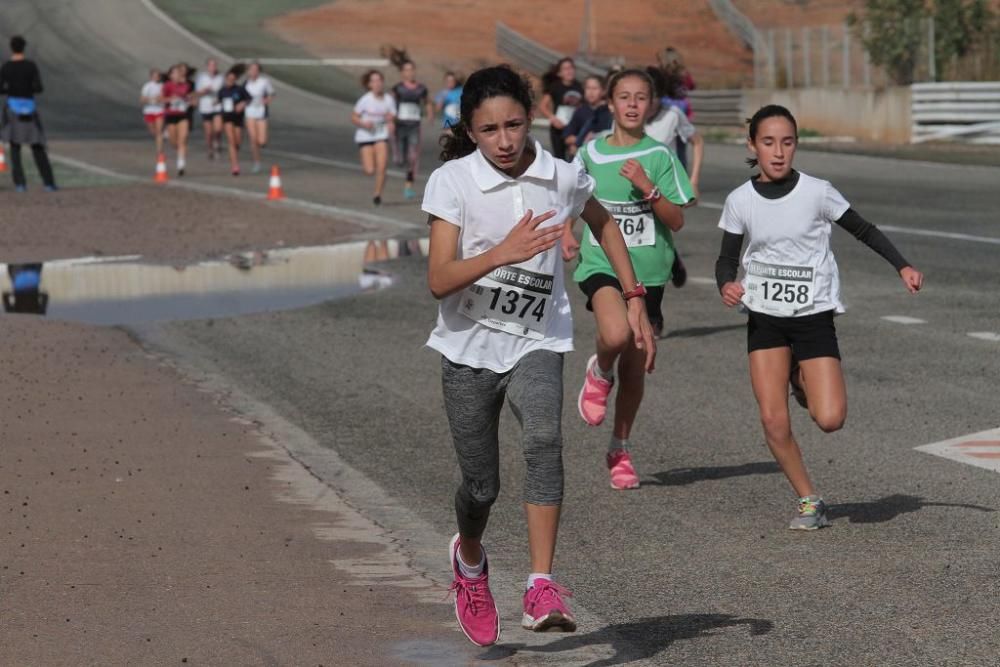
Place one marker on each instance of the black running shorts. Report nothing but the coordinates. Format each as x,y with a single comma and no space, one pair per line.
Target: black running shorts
809,336
654,294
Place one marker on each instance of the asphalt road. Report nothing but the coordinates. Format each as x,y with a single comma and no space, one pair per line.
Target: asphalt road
696,567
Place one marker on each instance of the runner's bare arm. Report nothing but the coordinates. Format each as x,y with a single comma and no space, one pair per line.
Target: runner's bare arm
361,122
666,211
698,155
446,274
607,233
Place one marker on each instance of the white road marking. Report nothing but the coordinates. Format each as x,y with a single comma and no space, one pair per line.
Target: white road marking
941,235
977,449
364,218
992,240
985,335
709,204
903,319
329,162
700,280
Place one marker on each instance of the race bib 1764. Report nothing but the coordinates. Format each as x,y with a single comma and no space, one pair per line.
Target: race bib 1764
635,220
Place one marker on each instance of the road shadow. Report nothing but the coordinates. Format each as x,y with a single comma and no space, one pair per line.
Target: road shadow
890,507
637,640
684,476
698,332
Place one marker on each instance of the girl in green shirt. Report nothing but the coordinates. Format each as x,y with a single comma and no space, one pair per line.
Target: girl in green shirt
643,186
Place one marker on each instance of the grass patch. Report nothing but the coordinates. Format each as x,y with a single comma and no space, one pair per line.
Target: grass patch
238,29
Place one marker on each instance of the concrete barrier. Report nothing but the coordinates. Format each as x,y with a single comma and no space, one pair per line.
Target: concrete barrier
882,115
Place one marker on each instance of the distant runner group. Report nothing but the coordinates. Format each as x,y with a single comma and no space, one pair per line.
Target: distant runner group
227,104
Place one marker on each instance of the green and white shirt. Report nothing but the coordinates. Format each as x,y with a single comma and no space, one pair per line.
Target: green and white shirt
649,241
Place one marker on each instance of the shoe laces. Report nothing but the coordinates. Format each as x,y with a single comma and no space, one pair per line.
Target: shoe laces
810,506
474,593
548,591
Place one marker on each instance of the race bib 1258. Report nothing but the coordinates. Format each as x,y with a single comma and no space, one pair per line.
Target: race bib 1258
779,289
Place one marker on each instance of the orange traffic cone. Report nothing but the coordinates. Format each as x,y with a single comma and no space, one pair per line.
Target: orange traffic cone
274,190
3,160
161,169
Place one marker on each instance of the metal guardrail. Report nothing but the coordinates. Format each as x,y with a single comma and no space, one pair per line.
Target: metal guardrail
737,22
533,57
956,111
717,108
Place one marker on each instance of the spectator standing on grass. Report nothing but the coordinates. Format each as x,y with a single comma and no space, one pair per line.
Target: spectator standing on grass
20,122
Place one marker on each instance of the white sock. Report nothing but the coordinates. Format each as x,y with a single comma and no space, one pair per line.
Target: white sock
180,163
471,571
608,375
535,576
617,444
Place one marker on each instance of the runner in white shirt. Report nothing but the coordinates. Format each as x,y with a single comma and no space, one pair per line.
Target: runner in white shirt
669,125
497,209
374,116
207,86
257,111
151,99
791,288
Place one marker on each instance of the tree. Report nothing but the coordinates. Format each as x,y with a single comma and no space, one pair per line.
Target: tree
894,36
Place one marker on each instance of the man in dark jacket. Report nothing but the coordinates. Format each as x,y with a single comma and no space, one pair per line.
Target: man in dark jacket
20,122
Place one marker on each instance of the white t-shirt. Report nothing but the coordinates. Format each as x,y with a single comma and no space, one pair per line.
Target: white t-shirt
208,103
788,247
258,89
485,204
668,124
152,90
377,110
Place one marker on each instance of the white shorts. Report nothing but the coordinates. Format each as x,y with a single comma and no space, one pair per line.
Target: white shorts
255,112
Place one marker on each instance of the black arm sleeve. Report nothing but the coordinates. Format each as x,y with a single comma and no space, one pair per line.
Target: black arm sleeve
728,265
872,237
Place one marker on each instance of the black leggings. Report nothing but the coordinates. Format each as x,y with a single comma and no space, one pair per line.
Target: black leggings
41,162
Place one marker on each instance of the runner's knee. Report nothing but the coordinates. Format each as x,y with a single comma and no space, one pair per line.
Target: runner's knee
777,425
615,337
830,420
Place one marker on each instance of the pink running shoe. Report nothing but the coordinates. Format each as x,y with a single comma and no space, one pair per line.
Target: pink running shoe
474,606
544,608
593,401
623,475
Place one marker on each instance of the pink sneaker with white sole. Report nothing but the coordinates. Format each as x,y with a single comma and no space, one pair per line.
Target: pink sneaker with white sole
593,400
475,608
623,475
544,608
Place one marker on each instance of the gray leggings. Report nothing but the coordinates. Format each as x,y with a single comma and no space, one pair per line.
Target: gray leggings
473,398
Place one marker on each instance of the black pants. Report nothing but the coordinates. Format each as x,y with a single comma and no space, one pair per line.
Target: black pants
41,162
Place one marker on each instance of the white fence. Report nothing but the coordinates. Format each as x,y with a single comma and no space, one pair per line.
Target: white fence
960,111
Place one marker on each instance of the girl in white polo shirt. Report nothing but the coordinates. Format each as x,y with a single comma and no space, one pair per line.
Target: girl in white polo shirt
791,288
375,117
497,209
